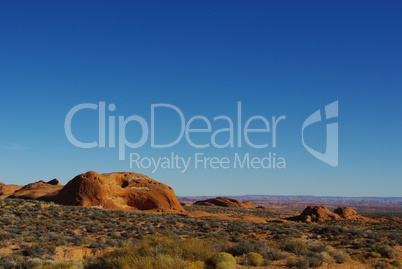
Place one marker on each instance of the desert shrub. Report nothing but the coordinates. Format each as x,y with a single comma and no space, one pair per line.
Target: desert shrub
291,233
385,251
237,227
37,251
221,235
244,247
215,224
314,260
340,256
374,254
318,248
225,261
272,254
76,240
253,259
18,262
345,242
381,265
291,262
5,236
358,245
297,247
7,220
235,238
98,244
111,243
302,264
397,264
326,257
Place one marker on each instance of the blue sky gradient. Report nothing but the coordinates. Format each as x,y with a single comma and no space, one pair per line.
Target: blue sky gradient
277,58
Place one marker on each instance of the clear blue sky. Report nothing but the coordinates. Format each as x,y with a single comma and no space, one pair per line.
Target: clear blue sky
277,58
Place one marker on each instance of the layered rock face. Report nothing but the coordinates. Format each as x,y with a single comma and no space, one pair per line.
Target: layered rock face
225,202
121,191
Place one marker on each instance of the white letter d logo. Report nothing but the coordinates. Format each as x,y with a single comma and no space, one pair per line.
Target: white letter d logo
331,153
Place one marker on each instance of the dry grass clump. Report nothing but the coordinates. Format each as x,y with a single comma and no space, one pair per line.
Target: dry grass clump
162,251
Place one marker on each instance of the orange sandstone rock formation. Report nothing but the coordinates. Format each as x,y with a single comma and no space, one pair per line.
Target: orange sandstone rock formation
321,214
40,190
7,190
121,191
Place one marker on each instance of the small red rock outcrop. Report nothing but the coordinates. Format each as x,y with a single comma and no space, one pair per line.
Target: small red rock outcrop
40,190
348,213
318,214
321,214
7,190
225,202
121,191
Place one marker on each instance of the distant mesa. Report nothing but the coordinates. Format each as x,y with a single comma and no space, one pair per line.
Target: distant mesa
321,214
119,191
225,202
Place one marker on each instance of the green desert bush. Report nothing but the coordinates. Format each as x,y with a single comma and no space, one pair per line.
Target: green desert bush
224,261
374,254
253,259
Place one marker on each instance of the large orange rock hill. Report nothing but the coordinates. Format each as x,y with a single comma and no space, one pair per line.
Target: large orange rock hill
121,191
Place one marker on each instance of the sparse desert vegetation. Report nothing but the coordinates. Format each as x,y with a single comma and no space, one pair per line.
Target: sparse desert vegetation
37,234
